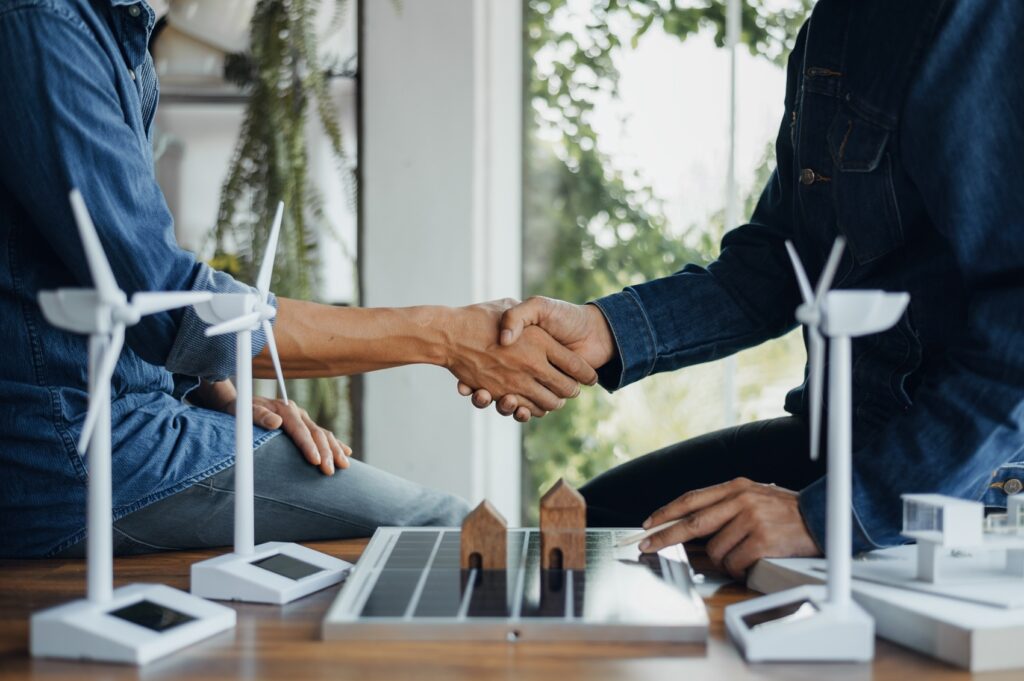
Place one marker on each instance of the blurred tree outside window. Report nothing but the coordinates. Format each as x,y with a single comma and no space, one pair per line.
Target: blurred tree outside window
626,144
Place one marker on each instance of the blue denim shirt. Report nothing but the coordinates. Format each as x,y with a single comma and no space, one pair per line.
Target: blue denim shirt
77,96
903,131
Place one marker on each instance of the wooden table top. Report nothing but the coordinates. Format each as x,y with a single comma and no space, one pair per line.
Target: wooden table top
283,642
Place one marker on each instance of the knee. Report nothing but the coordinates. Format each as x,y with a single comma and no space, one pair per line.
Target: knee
449,510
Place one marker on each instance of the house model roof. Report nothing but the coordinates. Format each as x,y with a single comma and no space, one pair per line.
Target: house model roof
561,495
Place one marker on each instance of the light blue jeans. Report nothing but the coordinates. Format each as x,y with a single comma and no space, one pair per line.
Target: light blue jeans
294,502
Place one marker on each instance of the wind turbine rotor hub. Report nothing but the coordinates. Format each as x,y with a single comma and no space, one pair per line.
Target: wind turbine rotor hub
809,315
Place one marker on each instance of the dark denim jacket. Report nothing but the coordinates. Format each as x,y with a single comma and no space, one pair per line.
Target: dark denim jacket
77,97
903,131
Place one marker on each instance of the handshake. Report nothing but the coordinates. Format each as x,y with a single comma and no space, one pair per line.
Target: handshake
527,358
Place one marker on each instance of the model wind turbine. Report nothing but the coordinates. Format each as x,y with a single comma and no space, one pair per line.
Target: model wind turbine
273,572
823,622
141,622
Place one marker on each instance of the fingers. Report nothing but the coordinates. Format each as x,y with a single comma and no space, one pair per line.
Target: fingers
340,450
317,445
508,405
572,365
482,399
464,389
297,429
519,408
695,500
323,444
727,539
265,418
697,524
743,557
514,320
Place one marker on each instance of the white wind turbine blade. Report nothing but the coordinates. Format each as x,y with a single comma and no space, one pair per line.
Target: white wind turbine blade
267,266
102,275
268,330
148,302
101,386
801,274
244,323
829,271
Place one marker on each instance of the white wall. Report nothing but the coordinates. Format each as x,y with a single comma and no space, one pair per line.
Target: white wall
441,164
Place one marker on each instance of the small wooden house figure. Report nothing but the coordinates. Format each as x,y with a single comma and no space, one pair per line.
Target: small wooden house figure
939,522
563,529
484,542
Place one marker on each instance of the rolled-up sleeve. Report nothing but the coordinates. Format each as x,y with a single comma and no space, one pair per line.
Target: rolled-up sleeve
193,354
65,108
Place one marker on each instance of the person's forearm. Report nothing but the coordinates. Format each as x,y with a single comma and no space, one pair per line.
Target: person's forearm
323,340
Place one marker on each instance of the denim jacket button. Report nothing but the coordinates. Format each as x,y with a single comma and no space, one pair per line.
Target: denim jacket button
1012,486
807,176
134,10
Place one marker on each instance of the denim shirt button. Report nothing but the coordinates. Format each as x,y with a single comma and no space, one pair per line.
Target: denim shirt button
1012,486
134,10
807,176
131,73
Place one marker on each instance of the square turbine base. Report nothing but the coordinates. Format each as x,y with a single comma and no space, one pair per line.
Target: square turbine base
140,623
799,625
276,572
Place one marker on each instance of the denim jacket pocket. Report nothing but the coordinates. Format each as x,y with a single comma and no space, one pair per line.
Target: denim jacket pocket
866,208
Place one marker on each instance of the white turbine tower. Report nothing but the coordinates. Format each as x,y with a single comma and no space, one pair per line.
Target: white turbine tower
823,622
273,572
141,622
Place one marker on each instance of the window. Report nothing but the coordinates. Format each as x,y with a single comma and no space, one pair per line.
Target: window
627,149
921,518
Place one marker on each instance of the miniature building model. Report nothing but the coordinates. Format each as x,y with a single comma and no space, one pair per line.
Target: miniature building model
939,523
1015,512
484,542
563,528
942,520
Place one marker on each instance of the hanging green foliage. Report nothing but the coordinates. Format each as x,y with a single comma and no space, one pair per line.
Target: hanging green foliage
285,81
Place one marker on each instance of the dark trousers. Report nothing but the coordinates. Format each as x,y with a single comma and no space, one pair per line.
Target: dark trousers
769,451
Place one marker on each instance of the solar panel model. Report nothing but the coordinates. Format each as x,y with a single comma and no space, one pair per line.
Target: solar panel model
557,584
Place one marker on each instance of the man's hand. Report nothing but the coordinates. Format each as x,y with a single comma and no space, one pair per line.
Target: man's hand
318,445
538,368
749,521
581,328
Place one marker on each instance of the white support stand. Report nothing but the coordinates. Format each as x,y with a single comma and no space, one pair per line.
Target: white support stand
801,625
928,561
242,575
246,577
274,572
141,622
135,625
1015,562
815,623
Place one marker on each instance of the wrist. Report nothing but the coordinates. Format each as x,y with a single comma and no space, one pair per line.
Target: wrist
438,330
601,335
